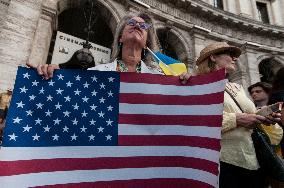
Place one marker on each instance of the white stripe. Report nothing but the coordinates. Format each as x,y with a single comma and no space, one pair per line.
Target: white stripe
28,153
200,131
171,89
153,109
63,177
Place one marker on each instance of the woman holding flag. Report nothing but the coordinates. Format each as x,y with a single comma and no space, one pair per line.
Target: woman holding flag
135,37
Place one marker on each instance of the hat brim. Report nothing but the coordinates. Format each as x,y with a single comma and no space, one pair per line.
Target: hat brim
235,50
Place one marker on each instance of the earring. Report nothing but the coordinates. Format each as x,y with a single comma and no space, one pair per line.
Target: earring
119,44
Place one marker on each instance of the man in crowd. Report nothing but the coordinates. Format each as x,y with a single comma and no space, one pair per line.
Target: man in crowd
259,93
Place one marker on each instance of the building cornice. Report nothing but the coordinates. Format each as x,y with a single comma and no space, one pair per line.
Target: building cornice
191,15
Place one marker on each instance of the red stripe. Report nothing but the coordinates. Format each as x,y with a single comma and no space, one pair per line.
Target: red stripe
144,119
137,98
50,165
148,183
158,140
171,80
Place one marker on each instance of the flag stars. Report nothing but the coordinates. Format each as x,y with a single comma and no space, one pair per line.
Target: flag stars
67,98
91,137
110,79
17,120
65,129
102,100
110,94
23,89
76,107
78,78
94,93
86,85
84,114
36,137
29,113
51,83
108,137
39,106
74,137
56,121
32,97
101,114
109,108
77,92
20,104
48,113
26,128
59,91
46,129
34,83
94,78
55,137
60,77
66,113
38,121
12,137
102,86
58,106
85,99
92,122
49,98
69,84
83,129
109,122
93,107
75,122
26,75
41,91
100,129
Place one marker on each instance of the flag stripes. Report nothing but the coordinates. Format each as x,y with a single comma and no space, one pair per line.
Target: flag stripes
167,134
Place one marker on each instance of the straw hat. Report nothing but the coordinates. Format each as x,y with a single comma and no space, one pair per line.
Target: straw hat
215,48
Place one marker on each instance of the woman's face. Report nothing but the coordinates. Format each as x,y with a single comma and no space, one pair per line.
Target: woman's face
135,31
225,60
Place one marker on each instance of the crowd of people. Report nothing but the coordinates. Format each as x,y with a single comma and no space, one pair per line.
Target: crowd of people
239,167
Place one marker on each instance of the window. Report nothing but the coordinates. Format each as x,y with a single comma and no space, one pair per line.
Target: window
218,4
262,12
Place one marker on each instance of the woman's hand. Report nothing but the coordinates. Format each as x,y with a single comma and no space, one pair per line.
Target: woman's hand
251,120
45,70
184,77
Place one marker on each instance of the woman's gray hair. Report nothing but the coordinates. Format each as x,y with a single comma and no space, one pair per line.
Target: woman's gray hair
151,42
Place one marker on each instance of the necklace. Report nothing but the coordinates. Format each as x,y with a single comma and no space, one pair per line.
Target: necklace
121,67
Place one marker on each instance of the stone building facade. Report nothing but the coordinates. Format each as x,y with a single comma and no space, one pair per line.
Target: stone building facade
184,26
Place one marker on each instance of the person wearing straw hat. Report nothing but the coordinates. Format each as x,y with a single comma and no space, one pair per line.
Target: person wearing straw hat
239,167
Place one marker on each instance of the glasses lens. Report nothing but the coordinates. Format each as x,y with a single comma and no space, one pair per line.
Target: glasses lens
142,25
131,22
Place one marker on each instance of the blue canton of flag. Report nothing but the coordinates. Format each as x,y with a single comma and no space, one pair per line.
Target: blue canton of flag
67,110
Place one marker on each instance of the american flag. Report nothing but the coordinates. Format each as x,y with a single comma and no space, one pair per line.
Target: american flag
110,129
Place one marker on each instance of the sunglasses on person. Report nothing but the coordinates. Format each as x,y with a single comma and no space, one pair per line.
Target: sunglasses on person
142,25
230,53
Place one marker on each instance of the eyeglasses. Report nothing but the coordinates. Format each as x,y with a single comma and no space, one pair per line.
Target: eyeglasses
142,25
230,53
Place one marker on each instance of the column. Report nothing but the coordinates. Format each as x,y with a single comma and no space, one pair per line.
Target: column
43,35
245,8
16,37
252,65
277,13
232,6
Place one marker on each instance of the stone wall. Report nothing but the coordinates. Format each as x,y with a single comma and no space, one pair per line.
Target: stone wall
27,26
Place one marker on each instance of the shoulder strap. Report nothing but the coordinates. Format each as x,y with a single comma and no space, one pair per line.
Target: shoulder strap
234,99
